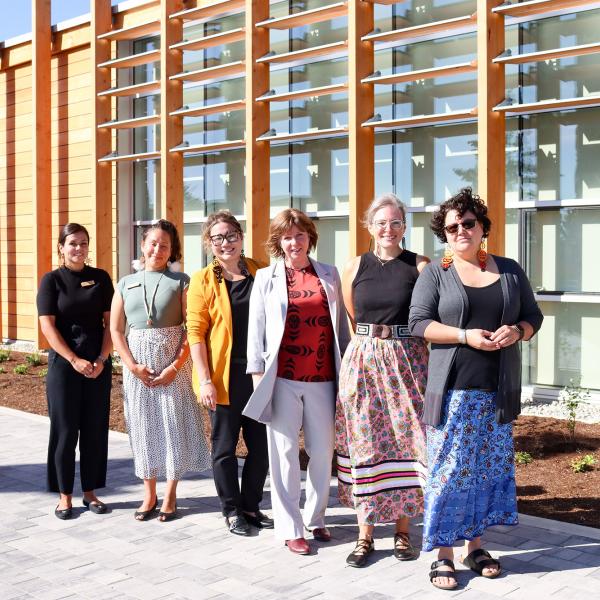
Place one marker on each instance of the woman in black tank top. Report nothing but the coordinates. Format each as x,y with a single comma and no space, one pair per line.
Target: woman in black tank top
380,441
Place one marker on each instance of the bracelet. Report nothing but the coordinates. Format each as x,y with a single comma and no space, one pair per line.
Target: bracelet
462,336
176,369
519,330
101,359
205,381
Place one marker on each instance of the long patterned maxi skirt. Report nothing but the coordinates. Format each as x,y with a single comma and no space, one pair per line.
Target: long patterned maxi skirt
471,482
380,440
165,423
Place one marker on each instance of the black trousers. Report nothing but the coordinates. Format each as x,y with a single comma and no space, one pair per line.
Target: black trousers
227,421
79,409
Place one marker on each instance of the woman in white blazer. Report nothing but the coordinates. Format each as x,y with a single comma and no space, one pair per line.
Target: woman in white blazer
297,334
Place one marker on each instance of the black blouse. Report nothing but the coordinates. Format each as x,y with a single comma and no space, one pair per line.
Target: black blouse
475,369
78,300
381,293
239,297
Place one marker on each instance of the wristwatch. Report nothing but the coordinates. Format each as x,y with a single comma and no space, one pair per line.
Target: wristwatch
519,330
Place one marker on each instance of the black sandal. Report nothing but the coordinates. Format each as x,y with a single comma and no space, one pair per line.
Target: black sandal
444,562
142,515
479,565
358,556
403,549
164,517
96,506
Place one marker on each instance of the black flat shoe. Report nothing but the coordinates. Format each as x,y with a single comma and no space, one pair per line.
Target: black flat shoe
238,525
142,515
163,517
259,520
95,506
358,556
403,549
63,513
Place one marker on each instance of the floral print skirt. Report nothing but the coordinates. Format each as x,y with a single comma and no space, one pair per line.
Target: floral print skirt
471,481
380,440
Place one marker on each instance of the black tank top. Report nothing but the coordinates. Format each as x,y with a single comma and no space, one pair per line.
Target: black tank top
478,369
381,293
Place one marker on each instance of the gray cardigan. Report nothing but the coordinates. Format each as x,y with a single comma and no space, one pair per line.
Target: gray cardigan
440,296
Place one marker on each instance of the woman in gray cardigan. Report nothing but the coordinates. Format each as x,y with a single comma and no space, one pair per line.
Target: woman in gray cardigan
474,308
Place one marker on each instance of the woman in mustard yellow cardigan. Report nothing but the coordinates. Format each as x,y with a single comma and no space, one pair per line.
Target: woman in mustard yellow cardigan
217,323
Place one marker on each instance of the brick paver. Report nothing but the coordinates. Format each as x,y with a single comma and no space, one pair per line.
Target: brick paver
113,557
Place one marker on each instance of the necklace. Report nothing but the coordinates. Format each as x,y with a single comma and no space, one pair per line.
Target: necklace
384,262
150,308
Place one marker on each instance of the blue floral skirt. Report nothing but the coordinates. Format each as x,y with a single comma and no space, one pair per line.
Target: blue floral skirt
471,480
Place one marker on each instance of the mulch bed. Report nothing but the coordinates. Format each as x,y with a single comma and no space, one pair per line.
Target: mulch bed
547,487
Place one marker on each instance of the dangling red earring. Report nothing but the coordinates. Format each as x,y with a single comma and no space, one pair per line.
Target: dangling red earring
447,259
482,254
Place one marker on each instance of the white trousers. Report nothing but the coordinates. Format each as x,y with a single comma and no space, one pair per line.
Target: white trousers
297,404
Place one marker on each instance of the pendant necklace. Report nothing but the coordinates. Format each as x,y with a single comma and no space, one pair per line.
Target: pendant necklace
150,308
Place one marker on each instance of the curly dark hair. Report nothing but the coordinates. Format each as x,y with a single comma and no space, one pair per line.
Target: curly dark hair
167,226
464,201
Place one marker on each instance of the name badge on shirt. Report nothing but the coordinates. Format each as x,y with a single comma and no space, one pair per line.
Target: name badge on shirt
87,283
133,285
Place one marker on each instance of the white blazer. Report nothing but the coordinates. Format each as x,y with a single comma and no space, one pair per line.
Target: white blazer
266,323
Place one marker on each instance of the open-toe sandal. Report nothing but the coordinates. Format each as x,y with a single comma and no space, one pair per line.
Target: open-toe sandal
434,573
479,565
142,515
164,517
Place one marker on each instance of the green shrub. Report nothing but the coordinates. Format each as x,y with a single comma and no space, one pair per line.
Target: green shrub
21,369
43,373
34,359
583,464
4,355
2,370
523,458
572,397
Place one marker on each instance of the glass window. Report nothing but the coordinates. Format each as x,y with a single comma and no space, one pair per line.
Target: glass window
334,243
146,192
561,249
566,347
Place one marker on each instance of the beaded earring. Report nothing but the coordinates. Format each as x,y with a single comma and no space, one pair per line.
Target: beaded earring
403,243
217,270
447,258
242,265
482,254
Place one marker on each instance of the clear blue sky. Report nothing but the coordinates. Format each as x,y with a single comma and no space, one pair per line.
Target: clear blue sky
16,16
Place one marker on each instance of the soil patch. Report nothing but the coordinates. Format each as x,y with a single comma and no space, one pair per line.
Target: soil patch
547,486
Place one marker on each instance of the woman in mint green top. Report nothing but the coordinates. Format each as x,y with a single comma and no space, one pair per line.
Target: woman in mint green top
164,421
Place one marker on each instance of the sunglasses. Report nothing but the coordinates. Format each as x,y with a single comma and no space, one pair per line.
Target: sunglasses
217,240
466,224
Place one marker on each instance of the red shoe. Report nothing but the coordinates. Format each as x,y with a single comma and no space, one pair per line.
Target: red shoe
298,546
322,534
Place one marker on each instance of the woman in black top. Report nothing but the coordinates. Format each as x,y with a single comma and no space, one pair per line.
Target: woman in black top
380,441
74,309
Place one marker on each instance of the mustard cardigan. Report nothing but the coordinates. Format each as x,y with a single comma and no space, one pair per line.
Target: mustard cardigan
209,322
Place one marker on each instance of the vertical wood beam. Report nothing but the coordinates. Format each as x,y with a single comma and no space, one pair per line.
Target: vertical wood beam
171,128
491,136
258,154
41,35
101,227
361,140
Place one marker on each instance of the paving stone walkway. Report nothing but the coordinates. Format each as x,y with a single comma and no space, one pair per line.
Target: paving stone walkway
113,556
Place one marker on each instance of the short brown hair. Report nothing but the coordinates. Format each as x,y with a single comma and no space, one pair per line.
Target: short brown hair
282,223
221,216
